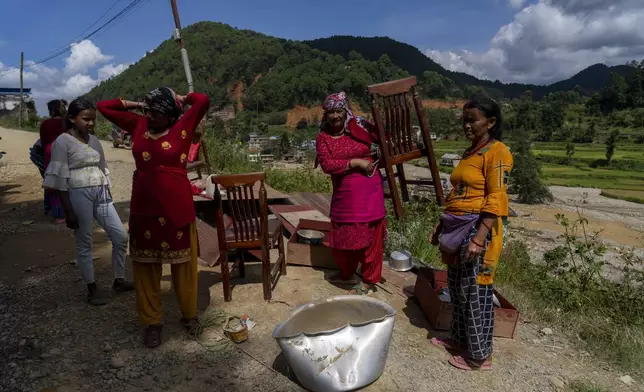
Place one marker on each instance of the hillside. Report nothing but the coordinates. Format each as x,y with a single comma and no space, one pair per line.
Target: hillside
409,58
276,74
270,74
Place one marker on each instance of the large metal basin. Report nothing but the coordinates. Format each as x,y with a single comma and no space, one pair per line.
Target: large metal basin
340,344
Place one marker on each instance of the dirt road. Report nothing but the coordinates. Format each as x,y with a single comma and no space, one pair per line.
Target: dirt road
51,340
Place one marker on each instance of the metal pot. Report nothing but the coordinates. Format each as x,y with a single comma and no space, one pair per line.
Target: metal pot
401,261
312,237
345,358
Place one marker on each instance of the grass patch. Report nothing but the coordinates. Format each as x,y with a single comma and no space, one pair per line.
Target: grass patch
623,194
578,386
606,318
412,231
299,180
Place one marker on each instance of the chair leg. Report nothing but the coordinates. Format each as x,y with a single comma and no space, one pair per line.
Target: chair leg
282,253
403,182
266,272
241,265
393,191
225,277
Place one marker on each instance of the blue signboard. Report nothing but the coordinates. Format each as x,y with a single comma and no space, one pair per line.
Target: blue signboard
14,91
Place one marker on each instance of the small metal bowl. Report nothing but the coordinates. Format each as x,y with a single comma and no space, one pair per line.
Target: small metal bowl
401,261
312,237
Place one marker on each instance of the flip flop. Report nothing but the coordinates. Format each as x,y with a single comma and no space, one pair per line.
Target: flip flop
464,364
361,290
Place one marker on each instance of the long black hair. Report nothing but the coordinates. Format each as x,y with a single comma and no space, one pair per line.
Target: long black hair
75,107
490,109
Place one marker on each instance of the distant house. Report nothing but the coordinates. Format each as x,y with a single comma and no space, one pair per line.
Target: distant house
450,160
418,136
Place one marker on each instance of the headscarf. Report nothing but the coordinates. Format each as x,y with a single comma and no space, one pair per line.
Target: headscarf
164,101
354,126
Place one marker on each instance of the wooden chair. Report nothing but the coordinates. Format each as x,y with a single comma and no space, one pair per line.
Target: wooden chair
391,106
250,229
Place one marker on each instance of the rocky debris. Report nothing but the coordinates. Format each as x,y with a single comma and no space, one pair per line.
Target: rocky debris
557,383
117,363
546,332
628,380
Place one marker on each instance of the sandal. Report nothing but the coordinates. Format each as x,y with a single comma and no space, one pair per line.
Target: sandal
361,290
193,326
462,363
152,335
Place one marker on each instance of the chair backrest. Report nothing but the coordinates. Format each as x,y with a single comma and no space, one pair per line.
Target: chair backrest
249,214
392,104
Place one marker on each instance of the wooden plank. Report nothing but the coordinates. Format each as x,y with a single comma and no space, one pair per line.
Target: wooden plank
317,201
294,217
278,209
208,244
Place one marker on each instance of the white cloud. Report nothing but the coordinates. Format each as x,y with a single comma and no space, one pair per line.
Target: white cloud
516,3
79,75
554,39
84,56
111,70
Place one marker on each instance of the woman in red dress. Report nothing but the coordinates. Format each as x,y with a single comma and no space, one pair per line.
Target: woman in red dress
162,214
346,149
50,129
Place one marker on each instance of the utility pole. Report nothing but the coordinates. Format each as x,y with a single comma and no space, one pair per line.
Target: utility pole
184,53
22,101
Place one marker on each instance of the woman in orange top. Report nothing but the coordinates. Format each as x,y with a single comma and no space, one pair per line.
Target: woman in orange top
471,231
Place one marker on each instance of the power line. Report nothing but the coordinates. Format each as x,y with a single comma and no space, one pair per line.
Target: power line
121,14
67,48
9,68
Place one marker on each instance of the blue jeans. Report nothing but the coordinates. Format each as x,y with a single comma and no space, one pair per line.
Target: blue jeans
95,203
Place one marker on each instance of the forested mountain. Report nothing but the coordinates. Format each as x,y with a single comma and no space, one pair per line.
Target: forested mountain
409,58
271,74
277,74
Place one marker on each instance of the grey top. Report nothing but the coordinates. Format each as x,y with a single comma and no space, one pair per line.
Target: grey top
75,164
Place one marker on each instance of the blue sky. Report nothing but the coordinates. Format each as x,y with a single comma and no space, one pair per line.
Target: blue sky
533,41
455,24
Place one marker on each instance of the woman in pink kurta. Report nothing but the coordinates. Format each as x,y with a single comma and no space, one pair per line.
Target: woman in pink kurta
347,151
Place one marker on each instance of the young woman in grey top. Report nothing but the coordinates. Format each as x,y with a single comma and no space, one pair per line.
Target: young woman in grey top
79,174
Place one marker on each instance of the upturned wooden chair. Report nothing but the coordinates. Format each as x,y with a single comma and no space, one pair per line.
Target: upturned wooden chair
250,229
392,104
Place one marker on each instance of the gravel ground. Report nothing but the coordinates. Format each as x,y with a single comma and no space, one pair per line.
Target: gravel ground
51,340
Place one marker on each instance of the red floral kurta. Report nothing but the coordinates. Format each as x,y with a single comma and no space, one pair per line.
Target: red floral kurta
334,155
162,210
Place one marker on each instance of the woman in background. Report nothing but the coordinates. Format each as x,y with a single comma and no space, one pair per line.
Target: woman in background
50,129
78,173
162,213
471,232
345,150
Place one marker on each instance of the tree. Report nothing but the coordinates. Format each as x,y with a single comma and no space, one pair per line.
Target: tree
285,144
635,94
570,151
614,95
611,143
525,180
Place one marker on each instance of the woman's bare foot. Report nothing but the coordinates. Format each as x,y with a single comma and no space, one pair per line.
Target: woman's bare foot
362,289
